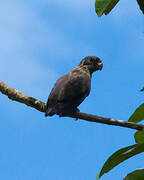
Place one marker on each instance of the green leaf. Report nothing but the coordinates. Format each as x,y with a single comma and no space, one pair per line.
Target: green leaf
139,137
142,89
141,5
104,6
120,156
138,115
137,174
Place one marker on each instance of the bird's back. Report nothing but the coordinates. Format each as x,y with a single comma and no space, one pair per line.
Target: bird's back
68,92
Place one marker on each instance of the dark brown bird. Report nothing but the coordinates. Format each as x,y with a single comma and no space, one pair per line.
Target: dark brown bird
71,89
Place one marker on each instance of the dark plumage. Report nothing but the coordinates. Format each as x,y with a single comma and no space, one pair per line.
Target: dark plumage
71,89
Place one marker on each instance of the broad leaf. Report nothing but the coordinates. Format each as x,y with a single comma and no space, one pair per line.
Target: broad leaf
138,115
137,174
141,5
120,156
139,137
104,6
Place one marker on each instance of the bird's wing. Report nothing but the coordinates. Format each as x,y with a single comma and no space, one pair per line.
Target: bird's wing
69,88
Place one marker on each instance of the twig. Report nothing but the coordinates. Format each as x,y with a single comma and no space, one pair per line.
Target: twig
15,95
109,121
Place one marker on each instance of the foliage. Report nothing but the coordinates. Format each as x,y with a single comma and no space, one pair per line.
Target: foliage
141,5
105,6
138,115
130,151
137,174
120,156
139,137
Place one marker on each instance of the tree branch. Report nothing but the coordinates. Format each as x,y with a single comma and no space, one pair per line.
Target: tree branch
15,95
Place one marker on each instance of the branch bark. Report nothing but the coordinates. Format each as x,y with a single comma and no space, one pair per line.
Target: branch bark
15,95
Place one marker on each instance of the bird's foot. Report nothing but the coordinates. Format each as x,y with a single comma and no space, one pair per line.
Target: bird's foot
61,115
76,112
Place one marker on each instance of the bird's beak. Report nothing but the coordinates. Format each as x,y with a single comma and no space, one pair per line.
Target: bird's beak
100,65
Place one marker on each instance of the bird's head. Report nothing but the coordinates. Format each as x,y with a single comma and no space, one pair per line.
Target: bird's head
93,63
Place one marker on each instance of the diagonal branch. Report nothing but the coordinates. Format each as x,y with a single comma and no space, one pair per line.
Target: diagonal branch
15,95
